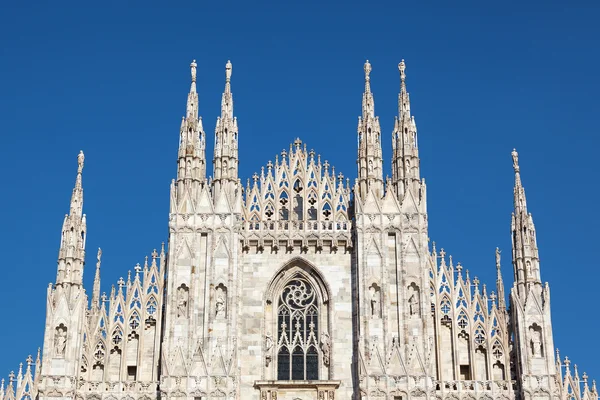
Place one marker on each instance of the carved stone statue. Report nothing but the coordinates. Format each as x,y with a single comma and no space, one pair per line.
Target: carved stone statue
268,342
375,301
413,305
498,257
60,341
536,342
268,347
182,302
413,301
325,347
220,307
80,160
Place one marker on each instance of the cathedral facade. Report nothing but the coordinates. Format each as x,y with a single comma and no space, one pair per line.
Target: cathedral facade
298,286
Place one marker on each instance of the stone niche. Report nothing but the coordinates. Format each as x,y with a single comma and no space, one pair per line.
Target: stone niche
297,390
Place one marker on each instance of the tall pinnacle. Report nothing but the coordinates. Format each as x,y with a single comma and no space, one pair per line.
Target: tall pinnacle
370,164
71,254
227,98
500,282
405,161
403,97
77,196
192,102
520,201
96,290
526,261
368,101
225,162
191,160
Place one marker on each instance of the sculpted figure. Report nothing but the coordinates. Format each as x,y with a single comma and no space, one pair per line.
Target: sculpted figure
413,305
325,347
413,300
268,342
220,307
268,347
60,343
536,342
375,302
182,303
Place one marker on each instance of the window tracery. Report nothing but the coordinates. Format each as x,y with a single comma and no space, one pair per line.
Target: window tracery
298,331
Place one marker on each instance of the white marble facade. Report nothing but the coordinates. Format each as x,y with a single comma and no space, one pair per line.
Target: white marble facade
299,286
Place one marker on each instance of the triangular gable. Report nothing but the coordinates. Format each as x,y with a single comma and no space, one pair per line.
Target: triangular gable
204,202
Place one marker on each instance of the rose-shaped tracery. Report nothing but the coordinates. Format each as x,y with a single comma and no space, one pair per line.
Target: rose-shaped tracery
298,332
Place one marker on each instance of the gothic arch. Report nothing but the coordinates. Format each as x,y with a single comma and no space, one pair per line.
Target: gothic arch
304,267
313,312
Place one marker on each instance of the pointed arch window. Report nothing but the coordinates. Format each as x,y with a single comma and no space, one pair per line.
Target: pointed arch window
298,331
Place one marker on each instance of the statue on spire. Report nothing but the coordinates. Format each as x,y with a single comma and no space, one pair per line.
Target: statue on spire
193,66
228,68
367,70
80,159
498,257
515,157
99,257
402,68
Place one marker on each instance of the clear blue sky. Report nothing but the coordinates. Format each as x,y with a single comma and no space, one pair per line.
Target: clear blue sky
484,77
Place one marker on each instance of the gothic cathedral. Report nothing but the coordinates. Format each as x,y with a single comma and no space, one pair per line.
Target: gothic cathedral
298,286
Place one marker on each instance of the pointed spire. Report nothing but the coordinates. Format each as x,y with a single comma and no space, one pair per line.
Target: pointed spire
500,283
525,252
192,103
77,197
368,101
370,164
225,161
71,254
519,192
403,97
191,157
96,289
405,161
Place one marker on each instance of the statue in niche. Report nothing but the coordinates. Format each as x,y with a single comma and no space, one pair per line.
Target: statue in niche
182,302
325,347
370,166
536,342
528,268
220,302
268,347
60,341
413,300
375,301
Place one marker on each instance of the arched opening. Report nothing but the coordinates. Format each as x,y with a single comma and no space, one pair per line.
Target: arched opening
298,315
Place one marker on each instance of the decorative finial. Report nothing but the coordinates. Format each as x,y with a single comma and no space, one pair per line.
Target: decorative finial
515,157
80,159
498,257
402,68
193,66
367,70
228,68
